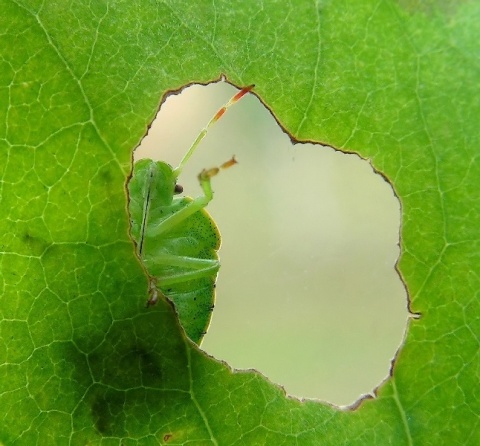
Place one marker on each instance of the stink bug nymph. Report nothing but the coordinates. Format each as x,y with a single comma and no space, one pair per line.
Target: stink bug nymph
176,239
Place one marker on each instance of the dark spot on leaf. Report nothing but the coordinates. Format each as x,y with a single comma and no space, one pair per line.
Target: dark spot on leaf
105,407
36,245
106,176
125,369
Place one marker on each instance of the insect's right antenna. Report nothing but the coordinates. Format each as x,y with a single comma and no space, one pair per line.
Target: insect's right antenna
212,121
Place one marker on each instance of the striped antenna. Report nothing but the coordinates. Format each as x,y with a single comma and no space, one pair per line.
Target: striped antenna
212,121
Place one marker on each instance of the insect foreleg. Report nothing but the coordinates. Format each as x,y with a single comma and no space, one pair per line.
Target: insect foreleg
195,205
173,220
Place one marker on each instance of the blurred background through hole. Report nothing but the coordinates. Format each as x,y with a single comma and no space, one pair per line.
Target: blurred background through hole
307,293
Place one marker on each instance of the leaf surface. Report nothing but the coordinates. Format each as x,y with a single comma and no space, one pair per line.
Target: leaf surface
81,359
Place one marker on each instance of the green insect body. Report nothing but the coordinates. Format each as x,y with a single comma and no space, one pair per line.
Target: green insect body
176,239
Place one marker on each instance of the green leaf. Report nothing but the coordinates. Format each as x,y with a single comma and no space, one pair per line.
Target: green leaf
81,359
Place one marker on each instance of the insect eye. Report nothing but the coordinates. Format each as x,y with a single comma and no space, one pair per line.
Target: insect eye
178,189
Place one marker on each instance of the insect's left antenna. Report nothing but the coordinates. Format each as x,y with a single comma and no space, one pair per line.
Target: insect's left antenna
212,121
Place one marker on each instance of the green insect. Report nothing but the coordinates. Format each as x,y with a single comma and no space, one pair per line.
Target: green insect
176,239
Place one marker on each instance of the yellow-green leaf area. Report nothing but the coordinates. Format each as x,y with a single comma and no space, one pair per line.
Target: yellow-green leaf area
81,359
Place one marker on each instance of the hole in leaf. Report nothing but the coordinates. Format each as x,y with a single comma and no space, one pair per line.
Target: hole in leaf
307,292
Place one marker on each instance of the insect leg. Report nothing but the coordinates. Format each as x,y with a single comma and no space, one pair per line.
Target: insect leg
191,268
173,220
195,205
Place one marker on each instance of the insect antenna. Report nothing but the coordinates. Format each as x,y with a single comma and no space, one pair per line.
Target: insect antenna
212,121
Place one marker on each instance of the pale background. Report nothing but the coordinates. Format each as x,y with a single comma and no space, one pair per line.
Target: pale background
307,293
